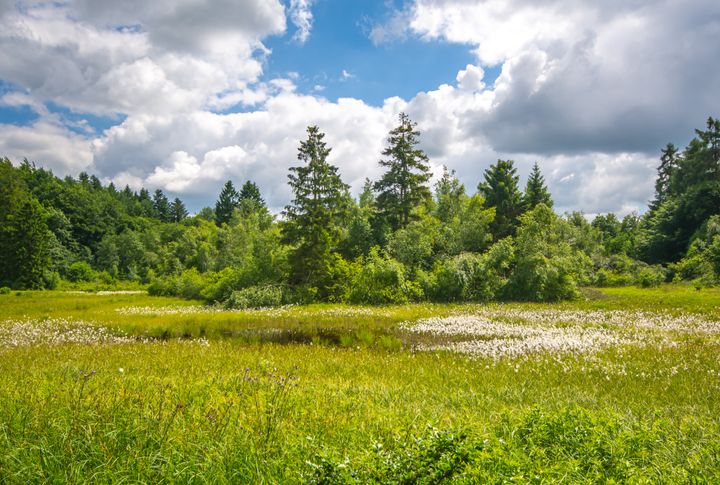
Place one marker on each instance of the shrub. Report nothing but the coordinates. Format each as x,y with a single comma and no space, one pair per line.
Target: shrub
80,271
381,279
5,290
547,267
189,284
256,297
650,276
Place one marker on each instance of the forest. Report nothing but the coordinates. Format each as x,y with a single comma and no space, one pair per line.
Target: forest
400,241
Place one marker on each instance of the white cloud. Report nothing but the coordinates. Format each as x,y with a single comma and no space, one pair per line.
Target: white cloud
301,15
134,57
590,91
48,144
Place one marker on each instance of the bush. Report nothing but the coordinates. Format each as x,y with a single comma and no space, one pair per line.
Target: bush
5,290
471,276
651,276
547,267
80,271
381,279
256,297
189,284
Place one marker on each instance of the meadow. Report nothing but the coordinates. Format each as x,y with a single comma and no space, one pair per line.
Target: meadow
622,385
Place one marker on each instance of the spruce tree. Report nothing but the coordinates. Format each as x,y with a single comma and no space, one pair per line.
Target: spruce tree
161,205
668,164
250,191
226,204
536,192
316,213
500,190
178,212
249,199
403,187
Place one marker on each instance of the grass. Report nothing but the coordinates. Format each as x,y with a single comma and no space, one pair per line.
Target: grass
231,408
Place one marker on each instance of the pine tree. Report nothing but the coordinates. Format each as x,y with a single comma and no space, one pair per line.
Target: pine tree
500,190
536,192
178,212
404,185
315,215
226,204
161,205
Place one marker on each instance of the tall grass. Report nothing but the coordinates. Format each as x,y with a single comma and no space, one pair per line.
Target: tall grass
226,409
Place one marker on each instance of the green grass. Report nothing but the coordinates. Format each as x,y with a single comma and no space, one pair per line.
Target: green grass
236,409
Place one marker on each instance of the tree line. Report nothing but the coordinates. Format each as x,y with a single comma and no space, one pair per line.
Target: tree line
400,240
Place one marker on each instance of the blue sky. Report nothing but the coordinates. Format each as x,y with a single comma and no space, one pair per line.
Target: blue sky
340,42
203,91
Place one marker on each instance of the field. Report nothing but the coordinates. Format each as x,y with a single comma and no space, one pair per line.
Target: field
621,386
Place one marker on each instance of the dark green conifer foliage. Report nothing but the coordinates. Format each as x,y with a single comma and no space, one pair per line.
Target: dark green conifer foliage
24,235
178,212
250,191
668,164
161,205
689,194
226,204
536,192
250,200
403,186
315,214
500,190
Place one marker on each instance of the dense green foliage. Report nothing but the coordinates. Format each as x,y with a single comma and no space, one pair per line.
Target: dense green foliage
400,241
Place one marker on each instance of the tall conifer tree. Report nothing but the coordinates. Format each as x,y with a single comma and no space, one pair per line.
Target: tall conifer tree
404,185
315,215
536,192
161,204
500,190
226,204
178,212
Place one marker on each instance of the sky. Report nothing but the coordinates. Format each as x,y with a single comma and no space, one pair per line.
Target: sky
182,95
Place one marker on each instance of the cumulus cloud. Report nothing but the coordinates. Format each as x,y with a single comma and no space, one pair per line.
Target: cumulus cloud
610,76
590,91
48,144
131,57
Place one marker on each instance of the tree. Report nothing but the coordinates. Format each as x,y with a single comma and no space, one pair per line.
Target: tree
251,192
687,195
449,195
226,204
178,212
250,201
403,187
161,205
668,164
536,192
24,235
547,267
500,190
315,215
